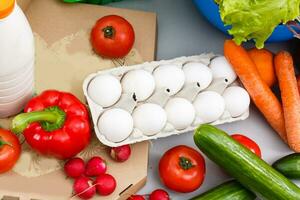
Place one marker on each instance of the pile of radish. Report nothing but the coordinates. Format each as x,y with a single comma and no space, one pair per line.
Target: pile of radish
84,186
91,177
158,194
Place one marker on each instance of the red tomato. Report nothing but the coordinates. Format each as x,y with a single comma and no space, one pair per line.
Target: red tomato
10,150
248,143
182,169
112,37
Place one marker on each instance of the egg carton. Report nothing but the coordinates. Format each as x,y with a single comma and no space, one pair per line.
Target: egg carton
160,96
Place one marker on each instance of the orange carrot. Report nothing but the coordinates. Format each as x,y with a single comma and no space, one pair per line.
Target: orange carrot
263,60
298,83
285,72
260,93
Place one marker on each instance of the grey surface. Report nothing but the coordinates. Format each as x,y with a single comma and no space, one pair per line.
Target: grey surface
182,31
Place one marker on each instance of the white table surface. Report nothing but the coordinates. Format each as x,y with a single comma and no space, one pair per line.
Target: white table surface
182,31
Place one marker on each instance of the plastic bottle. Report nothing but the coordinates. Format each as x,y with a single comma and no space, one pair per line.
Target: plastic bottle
16,59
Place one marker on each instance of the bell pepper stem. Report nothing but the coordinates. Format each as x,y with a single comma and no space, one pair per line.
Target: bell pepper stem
51,118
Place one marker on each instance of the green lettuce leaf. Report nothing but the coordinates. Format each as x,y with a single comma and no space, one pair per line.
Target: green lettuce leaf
256,19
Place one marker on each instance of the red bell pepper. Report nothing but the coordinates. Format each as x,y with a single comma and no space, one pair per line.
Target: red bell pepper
54,124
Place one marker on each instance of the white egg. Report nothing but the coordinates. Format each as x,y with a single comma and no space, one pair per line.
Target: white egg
180,113
237,100
149,118
139,82
170,77
115,124
105,90
221,68
209,106
197,72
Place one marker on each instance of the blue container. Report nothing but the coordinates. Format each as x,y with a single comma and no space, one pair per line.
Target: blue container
210,10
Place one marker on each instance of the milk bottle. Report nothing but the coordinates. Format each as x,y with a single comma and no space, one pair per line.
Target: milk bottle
16,59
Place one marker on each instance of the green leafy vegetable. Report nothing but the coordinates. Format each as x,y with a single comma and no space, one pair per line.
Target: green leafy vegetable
256,19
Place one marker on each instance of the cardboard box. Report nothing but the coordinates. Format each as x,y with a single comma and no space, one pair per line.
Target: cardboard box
64,58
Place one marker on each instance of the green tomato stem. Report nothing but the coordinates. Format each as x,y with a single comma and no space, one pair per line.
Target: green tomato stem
109,32
2,143
185,163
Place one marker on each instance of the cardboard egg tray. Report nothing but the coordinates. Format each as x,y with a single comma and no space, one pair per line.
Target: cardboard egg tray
136,135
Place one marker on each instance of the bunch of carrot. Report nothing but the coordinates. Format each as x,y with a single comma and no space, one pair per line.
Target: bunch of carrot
256,71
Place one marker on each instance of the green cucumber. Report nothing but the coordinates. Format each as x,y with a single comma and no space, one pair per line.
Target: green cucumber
231,190
289,166
252,172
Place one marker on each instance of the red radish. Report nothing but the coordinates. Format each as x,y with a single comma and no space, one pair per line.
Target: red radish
248,143
105,184
74,167
159,195
95,166
136,197
120,154
83,187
